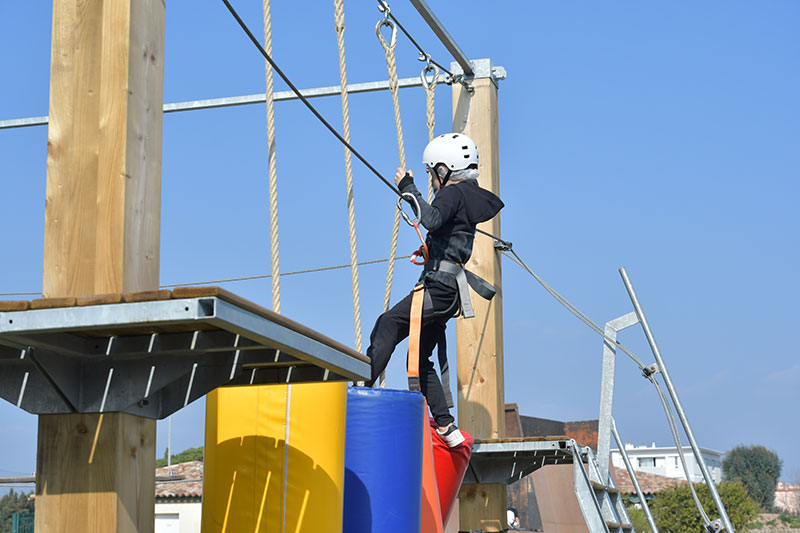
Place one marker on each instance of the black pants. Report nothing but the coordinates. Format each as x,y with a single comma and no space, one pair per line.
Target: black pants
392,327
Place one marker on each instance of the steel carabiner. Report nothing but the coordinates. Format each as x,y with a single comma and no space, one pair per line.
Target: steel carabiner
422,251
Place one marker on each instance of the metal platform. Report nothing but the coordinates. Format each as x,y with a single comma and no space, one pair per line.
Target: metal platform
151,358
507,461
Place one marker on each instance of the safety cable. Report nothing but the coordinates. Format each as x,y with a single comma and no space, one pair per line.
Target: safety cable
244,278
505,247
424,56
305,101
674,428
291,273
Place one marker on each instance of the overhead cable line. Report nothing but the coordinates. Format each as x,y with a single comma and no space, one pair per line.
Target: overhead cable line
305,100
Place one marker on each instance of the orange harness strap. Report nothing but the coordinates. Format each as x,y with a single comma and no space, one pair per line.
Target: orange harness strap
414,329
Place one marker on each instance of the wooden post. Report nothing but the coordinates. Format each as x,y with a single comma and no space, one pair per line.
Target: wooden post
102,222
481,398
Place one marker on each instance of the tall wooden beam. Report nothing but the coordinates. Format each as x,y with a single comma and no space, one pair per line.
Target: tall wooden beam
481,398
102,224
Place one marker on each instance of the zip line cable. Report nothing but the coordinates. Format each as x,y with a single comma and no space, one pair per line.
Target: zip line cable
506,247
674,428
305,101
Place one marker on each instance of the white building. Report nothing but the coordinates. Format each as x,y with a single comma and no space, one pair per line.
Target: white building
664,461
179,492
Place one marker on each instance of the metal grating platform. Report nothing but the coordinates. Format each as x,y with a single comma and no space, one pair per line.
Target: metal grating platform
154,354
507,461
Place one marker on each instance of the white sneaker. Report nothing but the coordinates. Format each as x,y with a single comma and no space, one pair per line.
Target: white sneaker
453,436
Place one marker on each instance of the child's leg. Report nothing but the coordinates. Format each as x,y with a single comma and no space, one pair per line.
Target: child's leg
429,379
389,330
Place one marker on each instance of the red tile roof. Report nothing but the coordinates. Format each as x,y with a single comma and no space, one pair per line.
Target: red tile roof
649,483
188,485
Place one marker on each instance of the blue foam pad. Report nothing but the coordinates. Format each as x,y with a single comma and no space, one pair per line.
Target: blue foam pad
383,461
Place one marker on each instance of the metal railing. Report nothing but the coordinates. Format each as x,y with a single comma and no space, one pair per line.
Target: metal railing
607,426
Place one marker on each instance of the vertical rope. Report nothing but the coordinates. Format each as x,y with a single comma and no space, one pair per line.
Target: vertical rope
273,168
430,93
391,64
348,167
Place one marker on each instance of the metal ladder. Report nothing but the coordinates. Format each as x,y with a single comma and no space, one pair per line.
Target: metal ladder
600,501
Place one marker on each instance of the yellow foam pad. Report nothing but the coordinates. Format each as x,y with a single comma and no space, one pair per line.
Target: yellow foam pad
253,481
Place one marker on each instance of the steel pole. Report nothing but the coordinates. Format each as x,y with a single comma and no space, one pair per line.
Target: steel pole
441,32
632,473
676,402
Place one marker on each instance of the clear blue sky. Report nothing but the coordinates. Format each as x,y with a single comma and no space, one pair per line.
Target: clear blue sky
663,137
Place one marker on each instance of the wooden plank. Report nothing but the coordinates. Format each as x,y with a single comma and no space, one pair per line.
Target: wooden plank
99,299
217,292
146,296
481,384
102,217
14,305
52,303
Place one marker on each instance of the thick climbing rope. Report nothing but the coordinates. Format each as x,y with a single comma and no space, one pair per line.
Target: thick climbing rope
430,94
391,64
273,170
348,167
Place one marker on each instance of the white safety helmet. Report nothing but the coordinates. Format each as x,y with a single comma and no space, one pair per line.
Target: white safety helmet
455,150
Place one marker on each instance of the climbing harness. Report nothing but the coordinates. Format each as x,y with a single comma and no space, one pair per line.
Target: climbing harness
414,330
464,279
422,306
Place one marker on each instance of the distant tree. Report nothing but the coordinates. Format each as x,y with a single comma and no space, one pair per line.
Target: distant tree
758,469
191,454
674,509
13,502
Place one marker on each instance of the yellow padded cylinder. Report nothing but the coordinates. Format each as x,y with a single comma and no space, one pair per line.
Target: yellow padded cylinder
253,482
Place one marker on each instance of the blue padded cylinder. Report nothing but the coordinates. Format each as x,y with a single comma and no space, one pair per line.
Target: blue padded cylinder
383,461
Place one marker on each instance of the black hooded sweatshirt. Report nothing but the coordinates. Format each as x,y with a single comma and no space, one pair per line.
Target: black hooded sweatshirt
450,220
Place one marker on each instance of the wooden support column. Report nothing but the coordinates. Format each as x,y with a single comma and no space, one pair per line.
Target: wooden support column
481,398
96,473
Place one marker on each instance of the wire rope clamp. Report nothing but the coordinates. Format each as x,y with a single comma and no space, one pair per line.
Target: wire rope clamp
649,371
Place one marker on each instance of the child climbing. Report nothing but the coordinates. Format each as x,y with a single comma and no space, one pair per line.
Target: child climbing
459,205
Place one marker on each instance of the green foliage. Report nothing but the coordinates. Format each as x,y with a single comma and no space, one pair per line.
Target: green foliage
789,520
638,519
674,510
13,502
755,525
758,468
192,454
